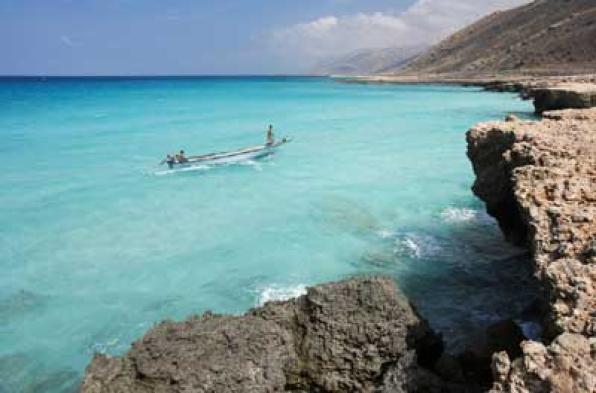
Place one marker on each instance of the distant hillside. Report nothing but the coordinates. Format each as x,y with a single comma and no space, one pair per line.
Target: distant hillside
369,61
544,37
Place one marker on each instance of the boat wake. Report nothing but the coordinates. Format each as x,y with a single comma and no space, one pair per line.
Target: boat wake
193,168
206,167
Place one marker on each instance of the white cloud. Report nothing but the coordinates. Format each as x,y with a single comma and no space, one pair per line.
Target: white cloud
425,22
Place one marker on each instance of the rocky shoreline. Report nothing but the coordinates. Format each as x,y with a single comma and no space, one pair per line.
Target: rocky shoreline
359,335
537,178
548,93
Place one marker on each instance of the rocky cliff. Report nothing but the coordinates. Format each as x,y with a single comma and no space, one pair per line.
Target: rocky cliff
359,335
539,180
564,96
554,93
546,37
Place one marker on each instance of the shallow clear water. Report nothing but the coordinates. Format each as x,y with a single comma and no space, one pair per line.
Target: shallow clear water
95,247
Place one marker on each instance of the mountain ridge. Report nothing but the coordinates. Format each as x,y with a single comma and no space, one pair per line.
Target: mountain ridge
545,37
366,61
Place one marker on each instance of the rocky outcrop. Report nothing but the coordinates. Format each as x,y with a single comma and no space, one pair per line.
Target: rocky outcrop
555,93
360,335
577,96
539,180
567,365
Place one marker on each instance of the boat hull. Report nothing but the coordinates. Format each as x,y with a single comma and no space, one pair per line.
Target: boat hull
245,154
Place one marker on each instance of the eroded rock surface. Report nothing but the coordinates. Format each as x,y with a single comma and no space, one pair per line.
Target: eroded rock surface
567,366
563,96
359,335
539,180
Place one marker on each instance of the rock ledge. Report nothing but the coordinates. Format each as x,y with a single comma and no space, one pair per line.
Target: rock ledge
359,335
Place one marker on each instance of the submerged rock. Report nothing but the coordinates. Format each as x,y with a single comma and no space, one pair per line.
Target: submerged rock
19,303
20,372
539,180
359,335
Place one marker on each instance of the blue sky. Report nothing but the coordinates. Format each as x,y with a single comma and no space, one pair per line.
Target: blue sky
124,37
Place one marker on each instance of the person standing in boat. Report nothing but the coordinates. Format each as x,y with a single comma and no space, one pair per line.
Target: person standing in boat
170,161
270,137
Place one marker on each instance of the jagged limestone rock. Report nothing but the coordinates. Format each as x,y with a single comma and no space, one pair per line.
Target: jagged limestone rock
539,180
359,335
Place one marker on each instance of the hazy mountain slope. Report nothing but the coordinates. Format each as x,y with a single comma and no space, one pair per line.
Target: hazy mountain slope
369,61
546,36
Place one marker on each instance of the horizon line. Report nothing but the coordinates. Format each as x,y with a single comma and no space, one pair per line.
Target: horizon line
8,76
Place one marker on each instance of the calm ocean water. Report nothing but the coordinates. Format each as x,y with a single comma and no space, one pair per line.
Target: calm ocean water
95,247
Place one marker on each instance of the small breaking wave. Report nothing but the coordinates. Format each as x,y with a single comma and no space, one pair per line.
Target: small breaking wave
417,246
385,234
278,292
455,214
105,347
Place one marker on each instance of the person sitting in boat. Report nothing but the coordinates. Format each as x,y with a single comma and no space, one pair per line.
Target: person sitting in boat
270,137
181,158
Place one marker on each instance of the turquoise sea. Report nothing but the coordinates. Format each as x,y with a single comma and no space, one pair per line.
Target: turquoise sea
96,245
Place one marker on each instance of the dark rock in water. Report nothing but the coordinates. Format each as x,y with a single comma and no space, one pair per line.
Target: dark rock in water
564,96
475,366
359,335
20,373
12,369
19,302
449,368
475,363
505,336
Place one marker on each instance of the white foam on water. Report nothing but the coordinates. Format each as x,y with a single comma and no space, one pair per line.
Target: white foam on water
454,214
278,292
252,163
179,170
385,234
105,347
462,215
417,246
204,167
